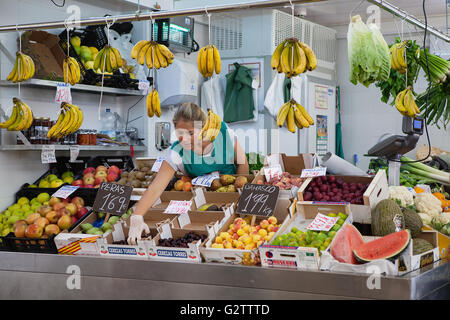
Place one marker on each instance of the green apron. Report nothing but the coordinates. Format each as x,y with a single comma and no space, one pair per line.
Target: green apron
221,158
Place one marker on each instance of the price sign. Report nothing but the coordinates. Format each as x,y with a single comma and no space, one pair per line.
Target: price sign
157,165
316,172
144,85
257,199
63,93
74,152
273,172
112,198
322,223
48,154
206,180
65,191
178,207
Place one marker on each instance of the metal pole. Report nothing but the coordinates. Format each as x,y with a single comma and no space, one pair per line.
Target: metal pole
155,15
409,18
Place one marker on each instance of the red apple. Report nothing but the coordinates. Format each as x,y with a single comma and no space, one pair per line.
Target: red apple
97,186
62,212
58,206
52,217
100,174
41,222
78,183
51,229
65,222
100,180
111,177
101,168
43,210
82,212
74,220
114,169
72,208
66,202
33,231
88,180
79,201
88,170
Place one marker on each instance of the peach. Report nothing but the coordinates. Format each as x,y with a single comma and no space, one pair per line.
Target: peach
179,185
41,222
53,201
262,232
272,220
235,236
58,206
78,201
33,231
62,212
18,223
19,230
32,218
52,229
187,186
43,210
65,222
52,217
72,208
264,224
256,238
219,240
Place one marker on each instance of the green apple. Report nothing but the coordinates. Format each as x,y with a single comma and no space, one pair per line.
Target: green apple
67,174
18,212
23,200
26,207
51,177
56,183
106,226
44,184
6,231
32,186
43,197
7,213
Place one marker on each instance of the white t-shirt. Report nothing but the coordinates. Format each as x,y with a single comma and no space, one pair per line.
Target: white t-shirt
174,159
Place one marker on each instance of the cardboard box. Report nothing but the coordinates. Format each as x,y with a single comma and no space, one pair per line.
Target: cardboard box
292,164
190,254
299,257
237,256
377,190
144,162
44,49
443,243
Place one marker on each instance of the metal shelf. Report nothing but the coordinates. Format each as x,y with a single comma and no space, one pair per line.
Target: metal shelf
39,83
67,147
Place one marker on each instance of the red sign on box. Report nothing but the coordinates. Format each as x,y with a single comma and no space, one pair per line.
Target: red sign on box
178,207
272,172
63,93
322,223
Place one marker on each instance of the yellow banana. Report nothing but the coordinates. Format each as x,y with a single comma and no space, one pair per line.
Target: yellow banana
290,122
11,119
204,62
27,112
310,56
27,66
149,58
400,56
155,58
17,120
210,61
166,52
217,61
204,129
304,113
137,47
300,118
66,123
399,102
98,59
150,111
113,61
24,119
65,71
162,60
282,113
285,62
275,61
53,130
14,70
297,123
80,117
156,104
214,128
143,52
118,57
410,104
200,62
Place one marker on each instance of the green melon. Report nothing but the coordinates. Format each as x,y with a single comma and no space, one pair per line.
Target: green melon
387,217
413,222
421,246
387,247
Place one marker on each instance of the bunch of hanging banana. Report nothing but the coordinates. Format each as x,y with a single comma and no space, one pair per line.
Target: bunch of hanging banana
108,59
153,54
293,57
398,61
208,61
69,121
153,104
294,114
21,117
23,68
71,70
211,129
406,104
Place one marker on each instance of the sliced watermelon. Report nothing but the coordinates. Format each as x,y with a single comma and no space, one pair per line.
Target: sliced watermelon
383,248
345,241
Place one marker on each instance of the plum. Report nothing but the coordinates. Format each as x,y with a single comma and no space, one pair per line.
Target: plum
313,184
330,194
308,196
335,190
333,185
317,195
323,188
339,181
331,179
316,189
326,198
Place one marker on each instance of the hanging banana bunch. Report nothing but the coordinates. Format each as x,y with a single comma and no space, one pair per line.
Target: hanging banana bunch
406,104
69,121
293,57
108,59
208,61
295,115
153,104
398,62
23,68
21,117
153,54
71,70
211,129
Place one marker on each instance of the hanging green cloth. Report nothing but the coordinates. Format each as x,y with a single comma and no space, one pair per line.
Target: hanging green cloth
239,104
339,147
287,89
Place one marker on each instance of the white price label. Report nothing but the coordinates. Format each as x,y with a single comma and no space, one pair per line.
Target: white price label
48,154
157,165
74,152
316,172
166,233
143,86
206,180
273,172
63,93
65,191
184,220
322,223
178,207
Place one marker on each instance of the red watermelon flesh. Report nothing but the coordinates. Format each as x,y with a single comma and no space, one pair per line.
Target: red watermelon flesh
345,241
383,248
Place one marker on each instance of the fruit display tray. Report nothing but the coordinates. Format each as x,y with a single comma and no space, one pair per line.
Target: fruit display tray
39,245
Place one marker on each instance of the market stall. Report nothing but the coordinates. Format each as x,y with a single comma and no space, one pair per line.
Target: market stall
114,216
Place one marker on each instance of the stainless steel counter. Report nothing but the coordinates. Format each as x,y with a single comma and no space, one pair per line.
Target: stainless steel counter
46,276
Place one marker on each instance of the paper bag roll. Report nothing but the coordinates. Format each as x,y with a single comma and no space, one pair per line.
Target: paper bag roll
337,165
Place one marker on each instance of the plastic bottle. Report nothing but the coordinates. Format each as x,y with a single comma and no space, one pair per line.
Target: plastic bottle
109,124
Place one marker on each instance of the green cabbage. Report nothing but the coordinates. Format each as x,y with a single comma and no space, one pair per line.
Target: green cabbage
368,53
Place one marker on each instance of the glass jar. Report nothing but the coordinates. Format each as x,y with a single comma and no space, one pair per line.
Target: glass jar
83,137
38,131
93,137
45,125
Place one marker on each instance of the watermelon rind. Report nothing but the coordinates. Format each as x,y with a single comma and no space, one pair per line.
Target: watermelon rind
359,255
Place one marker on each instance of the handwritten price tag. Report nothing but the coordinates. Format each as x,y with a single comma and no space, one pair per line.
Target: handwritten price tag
65,191
316,172
273,172
144,85
157,165
178,207
63,93
74,152
48,154
322,223
206,180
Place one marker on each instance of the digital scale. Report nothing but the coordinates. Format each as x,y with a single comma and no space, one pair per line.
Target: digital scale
393,147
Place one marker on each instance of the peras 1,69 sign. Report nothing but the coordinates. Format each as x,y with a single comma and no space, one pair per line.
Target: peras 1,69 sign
112,198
